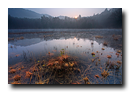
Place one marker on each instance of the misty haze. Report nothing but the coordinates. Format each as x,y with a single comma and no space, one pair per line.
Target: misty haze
64,46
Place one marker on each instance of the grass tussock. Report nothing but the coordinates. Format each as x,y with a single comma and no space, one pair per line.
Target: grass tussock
98,36
105,43
105,73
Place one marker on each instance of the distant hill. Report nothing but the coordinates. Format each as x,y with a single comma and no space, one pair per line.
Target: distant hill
23,13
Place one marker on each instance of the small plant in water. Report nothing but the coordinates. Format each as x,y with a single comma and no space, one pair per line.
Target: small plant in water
85,79
104,73
97,76
119,51
62,52
93,53
105,43
108,56
103,49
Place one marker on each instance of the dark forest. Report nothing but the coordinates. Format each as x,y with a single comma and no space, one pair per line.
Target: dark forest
107,19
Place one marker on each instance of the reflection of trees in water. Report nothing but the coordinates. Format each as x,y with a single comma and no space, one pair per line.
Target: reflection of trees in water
90,34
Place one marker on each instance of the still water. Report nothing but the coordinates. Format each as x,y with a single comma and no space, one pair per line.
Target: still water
78,45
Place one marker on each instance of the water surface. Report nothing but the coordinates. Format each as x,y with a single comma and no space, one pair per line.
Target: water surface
78,44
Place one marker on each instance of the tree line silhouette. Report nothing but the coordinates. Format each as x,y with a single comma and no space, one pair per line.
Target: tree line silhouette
107,19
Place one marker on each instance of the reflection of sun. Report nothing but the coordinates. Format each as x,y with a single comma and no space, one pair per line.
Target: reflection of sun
74,37
75,17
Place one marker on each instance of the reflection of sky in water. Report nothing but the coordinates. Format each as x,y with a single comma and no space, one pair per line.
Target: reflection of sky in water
75,47
81,48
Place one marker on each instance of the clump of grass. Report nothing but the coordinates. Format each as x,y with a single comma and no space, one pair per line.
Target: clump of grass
12,71
85,79
112,65
97,76
11,46
15,82
17,77
105,73
118,66
17,55
28,74
88,83
105,43
117,54
107,63
108,56
98,36
103,49
119,62
11,67
49,53
93,53
66,65
9,39
116,38
99,60
91,43
76,83
22,67
119,51
96,63
19,69
113,35
21,38
92,60
62,52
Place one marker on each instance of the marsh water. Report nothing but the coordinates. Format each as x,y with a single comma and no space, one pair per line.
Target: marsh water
37,51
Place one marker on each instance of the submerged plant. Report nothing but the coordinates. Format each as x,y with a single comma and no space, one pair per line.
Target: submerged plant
105,73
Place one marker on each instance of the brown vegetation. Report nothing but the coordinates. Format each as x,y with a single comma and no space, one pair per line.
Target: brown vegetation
108,56
12,71
119,62
21,38
104,73
85,79
17,55
10,39
28,74
103,49
105,43
119,51
17,77
97,76
93,53
98,36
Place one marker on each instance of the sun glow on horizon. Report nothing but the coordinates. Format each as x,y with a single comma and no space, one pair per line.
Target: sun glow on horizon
75,17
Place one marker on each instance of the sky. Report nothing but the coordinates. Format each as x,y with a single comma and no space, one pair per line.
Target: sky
70,12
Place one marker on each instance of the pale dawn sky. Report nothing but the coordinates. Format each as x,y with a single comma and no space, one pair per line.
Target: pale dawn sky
70,12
